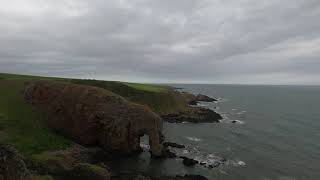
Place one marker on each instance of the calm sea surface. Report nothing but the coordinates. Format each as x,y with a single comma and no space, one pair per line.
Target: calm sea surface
277,136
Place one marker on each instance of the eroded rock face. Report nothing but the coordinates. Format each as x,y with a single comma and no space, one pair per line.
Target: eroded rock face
12,166
95,116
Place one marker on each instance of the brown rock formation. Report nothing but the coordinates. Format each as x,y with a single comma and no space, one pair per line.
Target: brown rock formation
12,166
94,116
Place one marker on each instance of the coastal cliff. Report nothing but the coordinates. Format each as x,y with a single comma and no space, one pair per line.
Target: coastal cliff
95,116
69,129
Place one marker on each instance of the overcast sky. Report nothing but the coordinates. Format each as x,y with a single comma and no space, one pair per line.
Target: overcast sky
187,41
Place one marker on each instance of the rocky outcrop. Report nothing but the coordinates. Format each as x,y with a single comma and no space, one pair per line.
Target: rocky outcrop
174,145
192,99
12,166
204,98
96,117
194,115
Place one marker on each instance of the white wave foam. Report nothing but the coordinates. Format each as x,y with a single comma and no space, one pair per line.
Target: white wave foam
202,105
220,100
241,112
194,139
241,163
145,146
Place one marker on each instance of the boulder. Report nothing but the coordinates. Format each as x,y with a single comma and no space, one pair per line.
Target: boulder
12,166
95,117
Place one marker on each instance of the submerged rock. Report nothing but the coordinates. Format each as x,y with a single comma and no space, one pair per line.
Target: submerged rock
12,166
96,117
174,145
168,154
188,161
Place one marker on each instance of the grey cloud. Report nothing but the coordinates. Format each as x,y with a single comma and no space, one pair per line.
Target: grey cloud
198,41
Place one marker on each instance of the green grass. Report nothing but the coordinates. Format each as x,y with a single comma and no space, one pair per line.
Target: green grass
148,87
25,126
26,77
161,99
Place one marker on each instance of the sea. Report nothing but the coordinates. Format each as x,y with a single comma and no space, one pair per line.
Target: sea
267,133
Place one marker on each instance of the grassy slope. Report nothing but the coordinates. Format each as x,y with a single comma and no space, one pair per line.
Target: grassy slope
24,126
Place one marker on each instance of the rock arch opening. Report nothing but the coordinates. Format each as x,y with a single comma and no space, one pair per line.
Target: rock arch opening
145,142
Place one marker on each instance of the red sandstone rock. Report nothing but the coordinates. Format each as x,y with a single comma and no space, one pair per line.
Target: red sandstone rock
95,116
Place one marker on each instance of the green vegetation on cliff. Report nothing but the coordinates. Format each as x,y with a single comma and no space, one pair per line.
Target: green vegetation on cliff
23,126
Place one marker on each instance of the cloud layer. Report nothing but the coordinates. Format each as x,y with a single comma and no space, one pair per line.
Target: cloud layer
189,41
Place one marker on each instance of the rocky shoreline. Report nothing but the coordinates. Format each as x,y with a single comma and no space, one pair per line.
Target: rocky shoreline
193,113
76,162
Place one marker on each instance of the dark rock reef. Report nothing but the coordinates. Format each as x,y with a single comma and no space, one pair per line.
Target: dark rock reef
194,115
96,117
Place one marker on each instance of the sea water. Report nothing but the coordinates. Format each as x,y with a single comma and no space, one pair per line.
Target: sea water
268,133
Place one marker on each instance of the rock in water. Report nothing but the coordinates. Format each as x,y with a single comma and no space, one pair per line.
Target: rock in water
174,145
12,166
95,116
188,162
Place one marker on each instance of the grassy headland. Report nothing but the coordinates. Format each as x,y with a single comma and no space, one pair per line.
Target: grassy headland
23,126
